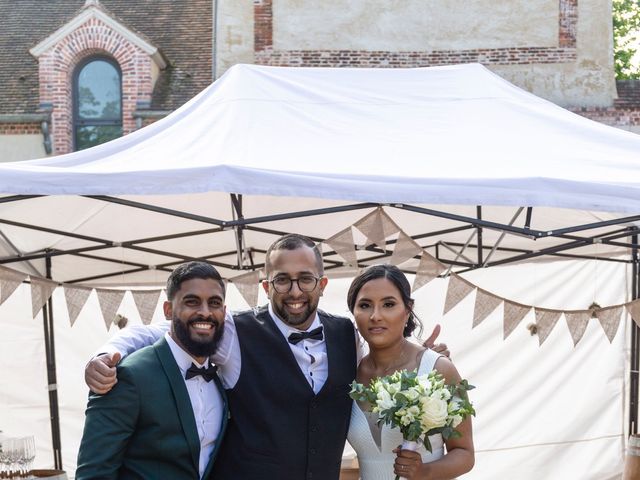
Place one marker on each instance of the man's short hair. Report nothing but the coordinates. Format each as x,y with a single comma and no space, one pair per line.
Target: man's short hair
294,241
188,271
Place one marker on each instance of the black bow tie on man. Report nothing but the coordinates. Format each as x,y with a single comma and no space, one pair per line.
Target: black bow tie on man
297,337
208,373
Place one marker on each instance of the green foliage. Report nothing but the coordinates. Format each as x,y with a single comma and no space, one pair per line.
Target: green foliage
626,32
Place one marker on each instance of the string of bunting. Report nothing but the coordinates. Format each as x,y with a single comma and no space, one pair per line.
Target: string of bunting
376,226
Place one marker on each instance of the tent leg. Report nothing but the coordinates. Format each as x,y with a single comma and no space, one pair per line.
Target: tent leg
635,344
49,345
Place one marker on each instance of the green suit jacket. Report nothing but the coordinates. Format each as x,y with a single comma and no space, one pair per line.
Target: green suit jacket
144,428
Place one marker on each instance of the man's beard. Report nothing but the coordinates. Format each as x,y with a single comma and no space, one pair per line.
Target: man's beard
294,320
198,348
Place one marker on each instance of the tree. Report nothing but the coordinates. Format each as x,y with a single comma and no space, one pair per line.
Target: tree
626,32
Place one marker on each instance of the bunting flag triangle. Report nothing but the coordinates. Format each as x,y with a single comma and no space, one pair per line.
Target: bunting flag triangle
485,304
343,244
146,301
248,284
9,281
634,310
609,319
428,269
76,298
377,226
546,321
513,315
109,301
41,290
577,322
457,291
404,249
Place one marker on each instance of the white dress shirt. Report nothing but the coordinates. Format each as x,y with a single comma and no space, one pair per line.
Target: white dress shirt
206,402
311,355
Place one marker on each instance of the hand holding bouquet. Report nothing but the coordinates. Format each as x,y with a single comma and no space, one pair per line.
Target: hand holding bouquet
419,405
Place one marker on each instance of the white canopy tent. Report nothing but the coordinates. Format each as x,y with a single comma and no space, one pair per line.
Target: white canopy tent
476,171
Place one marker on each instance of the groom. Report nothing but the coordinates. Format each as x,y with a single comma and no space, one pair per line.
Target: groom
167,414
287,368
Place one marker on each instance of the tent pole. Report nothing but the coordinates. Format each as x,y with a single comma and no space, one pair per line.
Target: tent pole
236,201
635,343
479,228
49,345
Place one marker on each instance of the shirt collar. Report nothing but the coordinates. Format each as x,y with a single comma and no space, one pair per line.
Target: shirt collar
286,330
182,358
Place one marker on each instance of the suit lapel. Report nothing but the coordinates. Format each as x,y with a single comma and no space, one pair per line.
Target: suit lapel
327,331
181,396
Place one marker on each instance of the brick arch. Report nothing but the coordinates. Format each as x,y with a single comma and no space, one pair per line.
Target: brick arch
59,62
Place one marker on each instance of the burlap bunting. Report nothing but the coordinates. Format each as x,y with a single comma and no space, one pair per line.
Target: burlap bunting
485,304
513,315
457,290
9,281
41,290
76,298
546,320
428,269
577,322
404,249
634,310
146,301
609,319
343,244
109,301
377,226
248,285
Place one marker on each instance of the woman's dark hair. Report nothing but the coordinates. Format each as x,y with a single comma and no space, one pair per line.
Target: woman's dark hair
395,276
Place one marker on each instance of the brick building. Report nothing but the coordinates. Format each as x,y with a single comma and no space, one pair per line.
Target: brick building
78,72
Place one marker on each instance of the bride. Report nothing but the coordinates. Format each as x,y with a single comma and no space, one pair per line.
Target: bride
380,301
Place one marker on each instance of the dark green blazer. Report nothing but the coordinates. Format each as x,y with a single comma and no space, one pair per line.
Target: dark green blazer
145,427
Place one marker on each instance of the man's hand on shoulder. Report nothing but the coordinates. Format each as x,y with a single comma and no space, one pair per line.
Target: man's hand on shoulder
440,348
100,372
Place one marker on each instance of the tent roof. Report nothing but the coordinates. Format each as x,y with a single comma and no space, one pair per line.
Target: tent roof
451,151
442,135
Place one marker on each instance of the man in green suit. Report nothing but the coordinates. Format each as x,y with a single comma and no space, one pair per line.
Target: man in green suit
166,416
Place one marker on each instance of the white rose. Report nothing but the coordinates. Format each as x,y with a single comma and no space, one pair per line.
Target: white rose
393,388
411,393
434,413
384,401
424,382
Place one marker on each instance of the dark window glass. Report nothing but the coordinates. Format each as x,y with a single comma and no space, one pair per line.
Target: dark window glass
97,103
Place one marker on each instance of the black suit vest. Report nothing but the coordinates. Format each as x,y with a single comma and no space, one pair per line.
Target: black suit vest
279,429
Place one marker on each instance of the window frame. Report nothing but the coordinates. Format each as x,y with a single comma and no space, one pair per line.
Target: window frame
76,121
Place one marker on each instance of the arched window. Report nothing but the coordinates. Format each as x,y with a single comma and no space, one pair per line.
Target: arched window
97,102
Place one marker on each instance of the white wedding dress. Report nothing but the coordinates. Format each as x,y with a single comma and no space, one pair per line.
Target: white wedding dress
376,458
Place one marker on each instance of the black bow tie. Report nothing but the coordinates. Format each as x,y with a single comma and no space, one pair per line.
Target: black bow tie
208,373
297,337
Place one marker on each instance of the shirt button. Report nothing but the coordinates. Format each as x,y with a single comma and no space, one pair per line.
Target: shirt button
312,451
311,373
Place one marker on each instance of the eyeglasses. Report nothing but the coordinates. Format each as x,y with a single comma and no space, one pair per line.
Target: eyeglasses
306,283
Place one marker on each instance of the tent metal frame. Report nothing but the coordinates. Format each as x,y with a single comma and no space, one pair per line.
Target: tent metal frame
243,258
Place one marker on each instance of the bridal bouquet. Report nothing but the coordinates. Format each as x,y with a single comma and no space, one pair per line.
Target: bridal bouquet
419,405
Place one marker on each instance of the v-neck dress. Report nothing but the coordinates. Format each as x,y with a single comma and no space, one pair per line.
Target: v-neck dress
376,461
